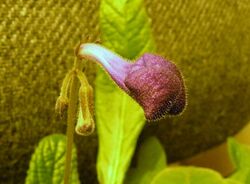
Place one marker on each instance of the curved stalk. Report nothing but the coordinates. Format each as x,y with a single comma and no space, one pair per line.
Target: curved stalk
71,119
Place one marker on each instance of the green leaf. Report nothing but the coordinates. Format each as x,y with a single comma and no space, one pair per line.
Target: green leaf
188,175
151,160
239,153
47,162
240,156
125,29
242,175
151,155
232,181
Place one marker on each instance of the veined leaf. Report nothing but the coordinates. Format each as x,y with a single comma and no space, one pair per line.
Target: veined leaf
240,156
188,175
151,160
125,29
47,162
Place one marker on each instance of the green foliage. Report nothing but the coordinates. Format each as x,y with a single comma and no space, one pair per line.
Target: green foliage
239,153
188,175
151,160
151,167
125,29
240,156
232,181
47,162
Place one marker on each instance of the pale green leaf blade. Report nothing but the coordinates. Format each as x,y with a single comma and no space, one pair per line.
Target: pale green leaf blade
242,175
125,29
152,155
47,162
134,176
239,153
232,181
188,175
240,156
151,160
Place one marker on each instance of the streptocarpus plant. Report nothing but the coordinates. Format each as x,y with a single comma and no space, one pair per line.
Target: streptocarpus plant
158,87
156,84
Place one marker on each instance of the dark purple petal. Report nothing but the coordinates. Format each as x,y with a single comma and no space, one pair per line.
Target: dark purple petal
157,86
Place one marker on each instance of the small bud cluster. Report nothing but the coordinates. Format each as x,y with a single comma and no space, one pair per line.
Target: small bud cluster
85,122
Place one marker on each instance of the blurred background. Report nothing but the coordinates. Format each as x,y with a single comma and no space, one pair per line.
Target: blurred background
208,40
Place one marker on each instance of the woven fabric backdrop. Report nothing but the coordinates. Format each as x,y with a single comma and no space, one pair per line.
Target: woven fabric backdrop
208,40
37,49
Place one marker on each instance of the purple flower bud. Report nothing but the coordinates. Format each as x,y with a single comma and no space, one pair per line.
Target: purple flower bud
156,84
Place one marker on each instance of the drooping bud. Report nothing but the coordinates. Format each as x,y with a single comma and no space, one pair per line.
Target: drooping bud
61,105
85,126
62,100
155,83
85,122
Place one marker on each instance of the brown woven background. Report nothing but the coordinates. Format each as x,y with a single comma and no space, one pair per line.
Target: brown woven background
209,41
37,48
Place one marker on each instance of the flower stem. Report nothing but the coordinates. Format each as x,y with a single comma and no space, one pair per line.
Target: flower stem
71,119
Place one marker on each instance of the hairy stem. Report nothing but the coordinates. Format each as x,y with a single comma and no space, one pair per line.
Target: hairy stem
71,119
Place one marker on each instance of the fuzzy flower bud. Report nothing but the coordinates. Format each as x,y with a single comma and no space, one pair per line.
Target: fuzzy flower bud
85,122
61,105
